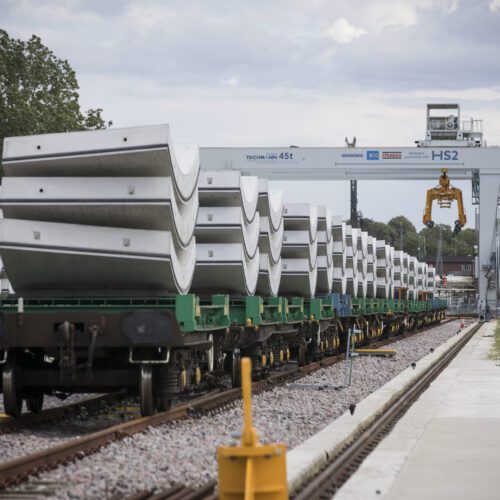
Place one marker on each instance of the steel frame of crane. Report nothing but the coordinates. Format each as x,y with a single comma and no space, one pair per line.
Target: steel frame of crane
379,163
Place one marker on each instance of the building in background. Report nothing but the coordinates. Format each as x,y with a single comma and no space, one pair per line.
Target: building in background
456,265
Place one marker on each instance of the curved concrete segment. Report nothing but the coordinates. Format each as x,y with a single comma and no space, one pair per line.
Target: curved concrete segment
122,152
421,277
412,278
227,225
301,216
371,288
352,260
271,204
299,251
325,275
127,202
325,220
339,282
270,241
48,257
269,277
229,189
227,234
400,275
339,255
325,251
362,264
383,270
297,245
297,278
225,266
431,281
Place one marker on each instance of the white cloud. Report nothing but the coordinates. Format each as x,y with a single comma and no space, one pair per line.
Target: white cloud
232,81
384,14
494,5
344,32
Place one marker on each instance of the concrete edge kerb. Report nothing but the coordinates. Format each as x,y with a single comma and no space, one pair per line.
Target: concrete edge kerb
305,460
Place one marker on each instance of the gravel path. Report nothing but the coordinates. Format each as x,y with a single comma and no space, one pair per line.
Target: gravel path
185,451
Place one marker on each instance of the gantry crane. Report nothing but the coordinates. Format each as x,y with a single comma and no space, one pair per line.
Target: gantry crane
445,194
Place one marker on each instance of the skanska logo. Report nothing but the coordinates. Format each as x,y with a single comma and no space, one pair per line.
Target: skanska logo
372,155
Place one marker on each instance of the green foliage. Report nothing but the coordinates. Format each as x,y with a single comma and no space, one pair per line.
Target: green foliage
461,244
39,92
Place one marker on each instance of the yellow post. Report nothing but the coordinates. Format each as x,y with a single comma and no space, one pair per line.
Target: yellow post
249,435
251,471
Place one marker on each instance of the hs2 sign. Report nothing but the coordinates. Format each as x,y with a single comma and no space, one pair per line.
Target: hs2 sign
446,155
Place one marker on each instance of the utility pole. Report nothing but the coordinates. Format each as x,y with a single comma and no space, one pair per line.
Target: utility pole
439,253
354,203
354,191
401,237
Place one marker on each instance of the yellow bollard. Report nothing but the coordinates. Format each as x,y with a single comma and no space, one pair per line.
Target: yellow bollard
251,471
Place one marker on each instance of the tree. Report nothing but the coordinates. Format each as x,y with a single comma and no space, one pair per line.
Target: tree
378,230
39,92
461,244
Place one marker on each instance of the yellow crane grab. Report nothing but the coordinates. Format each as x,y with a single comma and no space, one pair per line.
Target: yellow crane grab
445,194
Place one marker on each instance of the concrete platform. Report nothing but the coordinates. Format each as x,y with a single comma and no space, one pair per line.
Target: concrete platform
447,446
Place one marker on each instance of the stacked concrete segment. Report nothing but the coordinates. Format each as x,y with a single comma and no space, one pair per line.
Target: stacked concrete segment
371,291
383,270
299,252
362,264
412,278
352,260
325,251
391,271
431,281
270,207
99,212
227,233
401,274
421,279
339,238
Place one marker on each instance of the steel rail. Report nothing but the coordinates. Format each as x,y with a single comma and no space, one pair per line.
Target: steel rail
179,492
30,419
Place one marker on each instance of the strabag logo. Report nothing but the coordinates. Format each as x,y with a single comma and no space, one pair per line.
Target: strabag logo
372,155
392,155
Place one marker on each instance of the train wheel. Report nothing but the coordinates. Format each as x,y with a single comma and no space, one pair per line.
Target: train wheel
146,391
236,369
34,401
11,386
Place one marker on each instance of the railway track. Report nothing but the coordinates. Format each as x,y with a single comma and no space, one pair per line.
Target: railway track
92,403
19,469
180,492
343,465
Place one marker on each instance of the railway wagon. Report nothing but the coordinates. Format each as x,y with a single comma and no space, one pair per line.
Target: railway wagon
161,347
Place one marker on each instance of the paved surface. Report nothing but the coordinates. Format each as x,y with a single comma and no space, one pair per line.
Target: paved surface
447,446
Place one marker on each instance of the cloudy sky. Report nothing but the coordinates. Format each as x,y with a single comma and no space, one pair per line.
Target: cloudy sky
281,72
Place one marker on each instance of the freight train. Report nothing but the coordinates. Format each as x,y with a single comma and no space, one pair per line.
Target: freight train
129,268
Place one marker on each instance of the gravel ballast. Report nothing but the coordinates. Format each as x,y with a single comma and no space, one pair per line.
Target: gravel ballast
15,442
185,451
